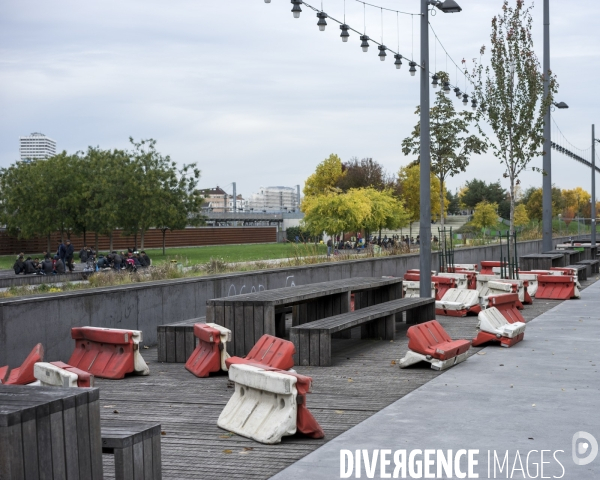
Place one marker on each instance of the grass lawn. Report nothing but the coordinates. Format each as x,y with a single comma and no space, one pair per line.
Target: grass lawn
229,253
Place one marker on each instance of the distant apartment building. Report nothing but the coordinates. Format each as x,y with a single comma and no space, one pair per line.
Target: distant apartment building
36,146
275,199
219,201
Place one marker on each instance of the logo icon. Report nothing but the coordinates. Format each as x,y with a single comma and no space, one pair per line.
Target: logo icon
584,443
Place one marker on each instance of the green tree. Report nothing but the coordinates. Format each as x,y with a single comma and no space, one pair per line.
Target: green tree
30,198
485,215
510,92
451,144
386,211
477,191
453,203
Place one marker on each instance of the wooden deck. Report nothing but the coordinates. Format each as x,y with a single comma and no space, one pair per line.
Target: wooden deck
363,379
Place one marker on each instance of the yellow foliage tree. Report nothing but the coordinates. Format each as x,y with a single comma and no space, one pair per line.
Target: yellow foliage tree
323,181
409,180
521,217
485,215
576,199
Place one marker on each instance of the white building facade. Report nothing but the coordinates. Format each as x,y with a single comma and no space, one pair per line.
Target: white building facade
36,146
275,199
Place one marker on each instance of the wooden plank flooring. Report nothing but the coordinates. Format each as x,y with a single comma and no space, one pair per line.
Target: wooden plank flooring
363,379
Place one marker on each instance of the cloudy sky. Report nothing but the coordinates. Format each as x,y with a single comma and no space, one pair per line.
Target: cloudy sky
251,94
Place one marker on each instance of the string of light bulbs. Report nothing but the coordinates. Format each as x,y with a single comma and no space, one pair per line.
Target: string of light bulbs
365,39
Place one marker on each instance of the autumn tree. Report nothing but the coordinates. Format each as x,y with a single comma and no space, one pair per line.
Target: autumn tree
510,92
451,144
326,176
576,199
532,199
485,215
362,174
409,182
521,217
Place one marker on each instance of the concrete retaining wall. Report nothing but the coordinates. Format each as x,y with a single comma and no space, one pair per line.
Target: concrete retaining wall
48,318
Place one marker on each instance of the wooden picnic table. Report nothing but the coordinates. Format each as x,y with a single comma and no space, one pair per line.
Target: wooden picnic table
571,256
541,261
50,432
587,251
249,316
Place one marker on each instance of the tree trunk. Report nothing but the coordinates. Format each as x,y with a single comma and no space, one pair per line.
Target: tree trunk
512,216
135,241
442,239
110,236
164,235
96,243
142,240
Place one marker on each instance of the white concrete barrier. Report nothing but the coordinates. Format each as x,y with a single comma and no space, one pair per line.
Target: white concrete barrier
458,301
492,321
412,289
263,406
51,376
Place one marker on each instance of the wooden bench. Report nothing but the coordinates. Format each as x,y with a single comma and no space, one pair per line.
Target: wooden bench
136,447
176,341
581,271
594,266
313,340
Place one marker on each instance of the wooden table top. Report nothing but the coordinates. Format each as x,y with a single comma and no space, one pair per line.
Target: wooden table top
286,295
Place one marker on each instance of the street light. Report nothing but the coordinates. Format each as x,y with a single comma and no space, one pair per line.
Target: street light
448,6
321,23
382,53
345,35
560,105
398,61
412,68
364,43
296,10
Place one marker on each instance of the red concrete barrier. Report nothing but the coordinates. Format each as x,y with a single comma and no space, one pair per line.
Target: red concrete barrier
488,266
429,342
24,374
269,351
210,354
3,373
508,305
557,287
108,352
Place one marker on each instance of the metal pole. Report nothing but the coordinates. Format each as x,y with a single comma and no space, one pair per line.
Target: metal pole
425,164
547,165
593,187
234,198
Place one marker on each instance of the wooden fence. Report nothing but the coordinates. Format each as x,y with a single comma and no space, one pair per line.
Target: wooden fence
190,237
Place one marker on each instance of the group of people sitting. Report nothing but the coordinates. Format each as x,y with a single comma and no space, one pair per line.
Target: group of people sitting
130,260
62,261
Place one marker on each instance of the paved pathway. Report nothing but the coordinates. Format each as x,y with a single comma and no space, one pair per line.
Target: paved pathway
532,397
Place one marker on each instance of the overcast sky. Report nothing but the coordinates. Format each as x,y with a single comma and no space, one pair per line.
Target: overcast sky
251,94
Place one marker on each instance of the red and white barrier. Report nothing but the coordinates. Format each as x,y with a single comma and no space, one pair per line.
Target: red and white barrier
429,342
23,375
210,354
495,327
108,352
458,303
59,374
268,404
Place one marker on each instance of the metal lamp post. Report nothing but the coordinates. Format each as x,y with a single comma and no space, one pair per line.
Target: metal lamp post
593,215
448,6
